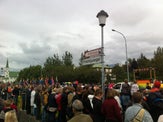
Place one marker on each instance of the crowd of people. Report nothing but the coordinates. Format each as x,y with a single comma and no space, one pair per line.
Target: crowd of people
81,102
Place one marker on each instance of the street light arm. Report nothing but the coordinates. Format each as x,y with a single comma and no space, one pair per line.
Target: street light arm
120,33
126,52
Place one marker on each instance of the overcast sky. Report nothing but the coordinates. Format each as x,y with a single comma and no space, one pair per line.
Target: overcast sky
32,30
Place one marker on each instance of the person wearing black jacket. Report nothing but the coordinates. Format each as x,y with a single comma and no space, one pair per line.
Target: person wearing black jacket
51,106
15,93
97,103
37,102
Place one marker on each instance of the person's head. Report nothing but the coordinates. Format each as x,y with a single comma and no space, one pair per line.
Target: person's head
77,106
98,93
10,116
59,90
110,93
126,81
79,90
135,81
137,97
157,84
7,103
116,93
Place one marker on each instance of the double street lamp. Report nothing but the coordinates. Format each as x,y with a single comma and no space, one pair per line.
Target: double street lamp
126,53
102,15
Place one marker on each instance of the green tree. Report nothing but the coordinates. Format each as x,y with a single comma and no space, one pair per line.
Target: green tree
143,61
119,72
81,58
67,59
157,62
50,65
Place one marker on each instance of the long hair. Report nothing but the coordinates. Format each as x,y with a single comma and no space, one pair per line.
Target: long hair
10,116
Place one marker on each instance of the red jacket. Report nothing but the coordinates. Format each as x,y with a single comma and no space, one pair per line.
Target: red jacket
58,101
111,110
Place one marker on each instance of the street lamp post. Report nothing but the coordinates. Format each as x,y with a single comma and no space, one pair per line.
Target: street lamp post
102,15
128,78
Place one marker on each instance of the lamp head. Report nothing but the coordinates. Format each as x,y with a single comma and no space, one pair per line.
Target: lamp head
102,15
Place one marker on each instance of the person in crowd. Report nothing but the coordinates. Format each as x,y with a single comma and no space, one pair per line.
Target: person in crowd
111,109
33,92
156,87
15,93
148,87
23,94
9,91
10,116
13,105
7,106
125,94
78,94
155,100
134,87
97,105
70,96
86,101
2,114
64,103
160,119
37,102
90,96
117,98
51,106
4,91
58,97
28,97
1,104
77,107
133,110
44,102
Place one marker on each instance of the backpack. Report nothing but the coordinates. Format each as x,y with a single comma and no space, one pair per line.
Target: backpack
139,116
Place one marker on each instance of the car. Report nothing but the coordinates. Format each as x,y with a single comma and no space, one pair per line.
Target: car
118,86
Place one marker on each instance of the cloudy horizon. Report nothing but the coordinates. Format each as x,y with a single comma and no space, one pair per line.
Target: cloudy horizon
32,30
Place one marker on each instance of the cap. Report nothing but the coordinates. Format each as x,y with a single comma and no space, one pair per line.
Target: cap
157,84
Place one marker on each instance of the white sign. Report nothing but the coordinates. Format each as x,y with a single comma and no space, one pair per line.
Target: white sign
92,60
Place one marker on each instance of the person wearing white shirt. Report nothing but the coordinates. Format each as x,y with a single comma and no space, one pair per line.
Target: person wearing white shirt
160,119
33,92
134,87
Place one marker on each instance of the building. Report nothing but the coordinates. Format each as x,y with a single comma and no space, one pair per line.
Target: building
6,75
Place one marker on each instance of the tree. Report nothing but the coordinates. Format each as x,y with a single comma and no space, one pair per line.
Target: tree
119,72
81,58
50,65
157,62
67,59
55,61
143,62
134,64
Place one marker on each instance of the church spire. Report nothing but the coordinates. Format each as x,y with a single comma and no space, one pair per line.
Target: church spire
7,65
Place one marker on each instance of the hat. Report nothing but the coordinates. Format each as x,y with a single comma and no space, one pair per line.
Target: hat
157,84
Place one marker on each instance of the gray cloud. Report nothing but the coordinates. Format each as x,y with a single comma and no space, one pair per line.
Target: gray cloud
33,30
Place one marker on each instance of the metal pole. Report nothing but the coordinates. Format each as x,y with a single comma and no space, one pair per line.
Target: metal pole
126,58
128,78
102,62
